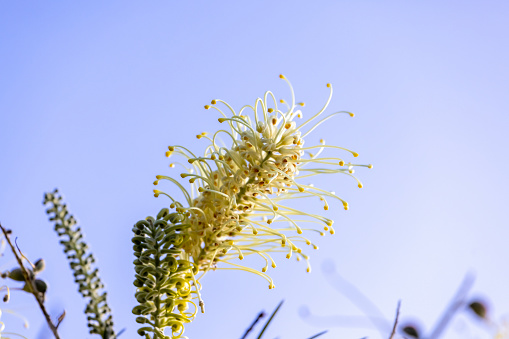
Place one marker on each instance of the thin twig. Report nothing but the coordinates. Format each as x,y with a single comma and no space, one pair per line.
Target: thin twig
258,318
270,319
363,303
31,281
457,301
395,321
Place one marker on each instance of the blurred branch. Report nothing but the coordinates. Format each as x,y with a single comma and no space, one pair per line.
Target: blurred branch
257,319
457,301
395,321
270,319
30,280
353,294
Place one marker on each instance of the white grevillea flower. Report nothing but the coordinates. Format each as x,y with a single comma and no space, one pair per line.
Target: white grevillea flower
237,203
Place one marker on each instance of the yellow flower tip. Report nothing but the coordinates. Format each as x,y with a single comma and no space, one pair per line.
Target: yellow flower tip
203,133
355,155
299,115
308,269
315,247
171,148
274,121
270,110
172,165
282,101
172,205
301,189
212,157
351,114
156,193
213,102
269,221
192,180
326,207
351,171
200,189
221,120
345,207
275,208
329,85
221,157
332,231
281,76
288,256
359,185
370,166
341,163
322,141
156,182
255,232
199,136
206,106
329,223
191,160
302,104
241,257
264,269
322,234
271,286
299,231
168,154
308,242
159,177
273,265
183,175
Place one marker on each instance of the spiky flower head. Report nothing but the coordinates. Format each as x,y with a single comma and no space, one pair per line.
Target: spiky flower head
237,202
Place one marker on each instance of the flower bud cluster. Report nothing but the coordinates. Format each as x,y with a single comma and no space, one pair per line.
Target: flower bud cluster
163,278
81,262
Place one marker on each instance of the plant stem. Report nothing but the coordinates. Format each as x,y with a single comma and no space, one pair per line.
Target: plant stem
31,281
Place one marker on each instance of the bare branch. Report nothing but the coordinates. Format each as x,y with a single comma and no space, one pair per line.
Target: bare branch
30,280
395,321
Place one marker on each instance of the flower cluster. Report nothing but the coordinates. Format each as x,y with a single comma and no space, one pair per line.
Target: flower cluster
81,262
239,201
240,190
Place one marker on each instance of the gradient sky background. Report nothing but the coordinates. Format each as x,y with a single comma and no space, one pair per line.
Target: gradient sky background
92,93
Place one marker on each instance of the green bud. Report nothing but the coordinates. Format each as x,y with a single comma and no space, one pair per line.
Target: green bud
141,320
411,331
162,213
16,274
41,286
40,265
479,308
175,218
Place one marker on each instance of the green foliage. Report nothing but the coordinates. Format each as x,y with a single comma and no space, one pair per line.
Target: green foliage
80,260
164,279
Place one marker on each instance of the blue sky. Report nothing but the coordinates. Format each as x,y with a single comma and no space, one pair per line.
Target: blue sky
92,93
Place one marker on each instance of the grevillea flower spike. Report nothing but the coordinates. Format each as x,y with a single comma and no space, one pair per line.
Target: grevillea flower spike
238,205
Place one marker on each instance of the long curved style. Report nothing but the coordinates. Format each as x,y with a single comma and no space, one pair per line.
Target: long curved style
239,202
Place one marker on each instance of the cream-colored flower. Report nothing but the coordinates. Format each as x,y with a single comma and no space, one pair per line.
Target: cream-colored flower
237,204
